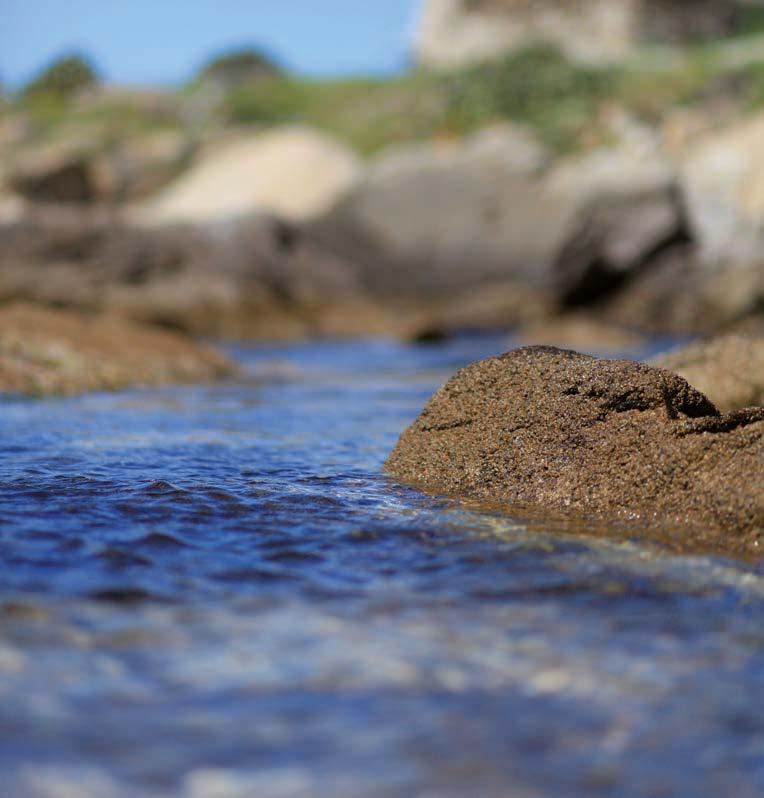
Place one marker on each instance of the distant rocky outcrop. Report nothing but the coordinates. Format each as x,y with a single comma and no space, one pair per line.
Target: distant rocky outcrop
254,277
453,33
566,433
76,168
45,351
494,213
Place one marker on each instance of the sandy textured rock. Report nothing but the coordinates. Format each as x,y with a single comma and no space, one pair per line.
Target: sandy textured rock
294,172
729,369
567,433
44,351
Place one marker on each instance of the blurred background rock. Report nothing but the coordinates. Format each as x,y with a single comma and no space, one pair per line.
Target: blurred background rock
536,161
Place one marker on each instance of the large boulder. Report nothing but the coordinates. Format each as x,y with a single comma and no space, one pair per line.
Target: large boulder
440,220
46,351
453,33
625,210
566,433
711,272
431,219
294,172
729,369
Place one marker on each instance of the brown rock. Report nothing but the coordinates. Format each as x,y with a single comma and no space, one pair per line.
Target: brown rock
45,351
546,428
729,369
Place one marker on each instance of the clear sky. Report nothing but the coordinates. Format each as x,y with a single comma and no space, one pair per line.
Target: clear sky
163,41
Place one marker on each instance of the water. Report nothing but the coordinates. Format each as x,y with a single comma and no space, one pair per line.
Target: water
214,591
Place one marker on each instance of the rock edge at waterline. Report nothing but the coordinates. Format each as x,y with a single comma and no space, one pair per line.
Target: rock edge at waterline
56,352
568,433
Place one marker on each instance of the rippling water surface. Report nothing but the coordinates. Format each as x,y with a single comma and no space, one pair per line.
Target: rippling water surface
214,592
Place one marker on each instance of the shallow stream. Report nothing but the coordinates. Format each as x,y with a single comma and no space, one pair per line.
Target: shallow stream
214,592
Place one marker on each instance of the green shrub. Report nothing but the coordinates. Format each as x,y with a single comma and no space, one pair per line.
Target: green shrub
238,66
64,77
538,86
269,101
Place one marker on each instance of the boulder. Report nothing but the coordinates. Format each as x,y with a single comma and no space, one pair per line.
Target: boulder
294,172
566,433
722,181
443,219
729,369
432,221
46,351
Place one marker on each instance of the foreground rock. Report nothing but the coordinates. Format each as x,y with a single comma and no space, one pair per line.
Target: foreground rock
46,351
551,429
729,369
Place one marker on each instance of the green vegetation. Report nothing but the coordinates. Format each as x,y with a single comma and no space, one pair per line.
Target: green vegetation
537,86
63,78
560,99
237,66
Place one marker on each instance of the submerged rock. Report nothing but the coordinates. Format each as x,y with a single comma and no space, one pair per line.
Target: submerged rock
44,351
729,369
552,429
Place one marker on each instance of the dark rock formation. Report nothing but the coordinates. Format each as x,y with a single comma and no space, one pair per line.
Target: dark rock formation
613,239
552,429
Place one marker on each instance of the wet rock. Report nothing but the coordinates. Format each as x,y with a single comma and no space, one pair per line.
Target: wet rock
294,172
45,351
729,369
555,430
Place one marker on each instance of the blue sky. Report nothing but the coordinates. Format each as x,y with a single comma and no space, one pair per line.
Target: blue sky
163,41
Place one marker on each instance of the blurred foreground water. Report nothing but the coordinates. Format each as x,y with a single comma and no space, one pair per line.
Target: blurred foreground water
214,591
